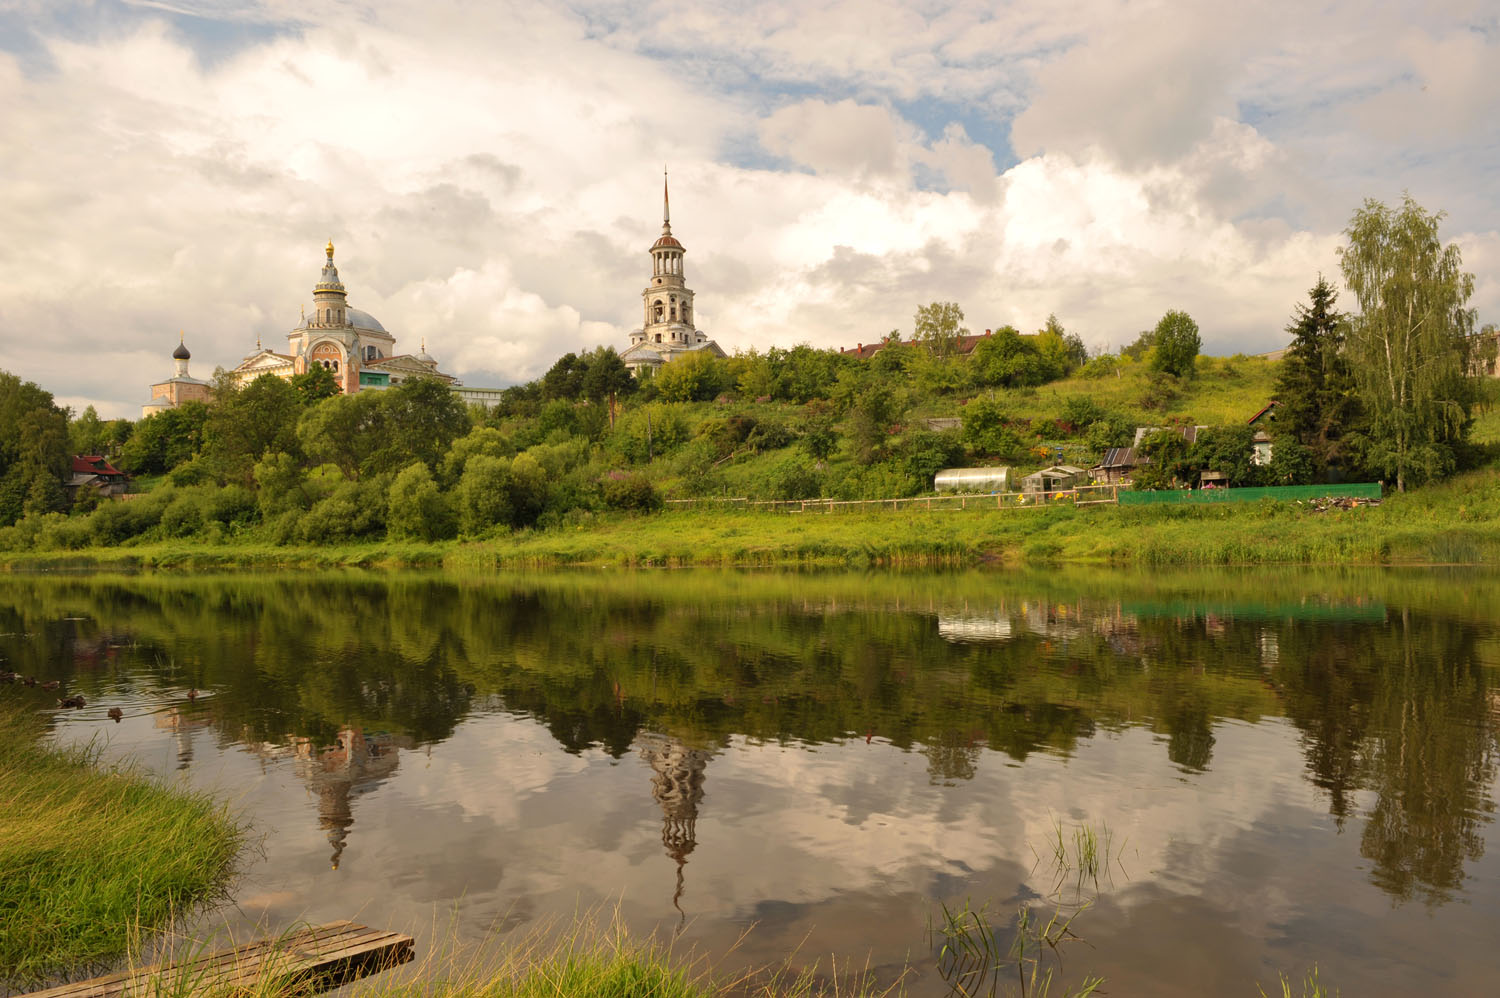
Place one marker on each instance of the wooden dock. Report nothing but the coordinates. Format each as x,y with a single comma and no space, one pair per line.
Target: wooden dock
307,960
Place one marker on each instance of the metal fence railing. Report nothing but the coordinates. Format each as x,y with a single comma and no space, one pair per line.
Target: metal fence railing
1281,493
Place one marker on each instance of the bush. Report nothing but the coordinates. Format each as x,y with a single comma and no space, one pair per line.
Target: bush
795,479
630,492
354,510
483,496
417,509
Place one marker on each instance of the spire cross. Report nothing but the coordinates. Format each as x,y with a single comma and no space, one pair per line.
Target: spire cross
666,203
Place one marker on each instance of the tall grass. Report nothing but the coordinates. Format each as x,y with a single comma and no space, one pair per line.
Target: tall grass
91,857
590,956
1083,853
1312,987
974,964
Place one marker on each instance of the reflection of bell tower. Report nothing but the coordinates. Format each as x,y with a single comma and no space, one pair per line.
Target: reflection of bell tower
677,785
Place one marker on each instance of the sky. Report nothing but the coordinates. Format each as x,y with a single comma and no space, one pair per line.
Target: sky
490,174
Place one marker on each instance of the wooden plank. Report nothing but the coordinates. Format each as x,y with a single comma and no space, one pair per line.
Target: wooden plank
314,958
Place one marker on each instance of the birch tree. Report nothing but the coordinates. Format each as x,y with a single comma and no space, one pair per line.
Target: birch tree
1409,345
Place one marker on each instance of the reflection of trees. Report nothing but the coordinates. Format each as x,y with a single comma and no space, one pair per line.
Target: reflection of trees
1401,711
677,786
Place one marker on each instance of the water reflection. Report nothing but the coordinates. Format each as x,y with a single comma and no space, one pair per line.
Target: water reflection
355,764
677,773
1389,684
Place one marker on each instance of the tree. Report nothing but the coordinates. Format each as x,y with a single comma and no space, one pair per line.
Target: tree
417,508
423,418
347,431
1315,389
939,326
692,377
1176,344
1409,346
245,424
164,440
565,379
605,375
315,384
34,449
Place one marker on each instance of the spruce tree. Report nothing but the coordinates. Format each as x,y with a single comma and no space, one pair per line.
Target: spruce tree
1315,390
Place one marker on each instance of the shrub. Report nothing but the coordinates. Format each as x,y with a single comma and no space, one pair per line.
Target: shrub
483,495
417,509
631,492
793,478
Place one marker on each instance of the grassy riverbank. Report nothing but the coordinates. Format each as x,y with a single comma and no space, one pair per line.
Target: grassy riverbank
1457,522
93,857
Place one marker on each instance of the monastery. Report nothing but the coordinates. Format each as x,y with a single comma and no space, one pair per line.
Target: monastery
360,353
349,343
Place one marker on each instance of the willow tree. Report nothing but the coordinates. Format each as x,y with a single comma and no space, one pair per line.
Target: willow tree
1409,345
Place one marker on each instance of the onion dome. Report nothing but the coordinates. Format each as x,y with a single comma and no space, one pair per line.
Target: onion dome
181,353
329,280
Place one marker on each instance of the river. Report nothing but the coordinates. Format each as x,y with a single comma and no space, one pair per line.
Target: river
1279,768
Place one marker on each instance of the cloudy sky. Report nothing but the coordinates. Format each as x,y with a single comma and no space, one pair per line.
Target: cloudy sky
491,173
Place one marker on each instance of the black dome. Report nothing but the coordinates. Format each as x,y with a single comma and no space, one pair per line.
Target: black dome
181,353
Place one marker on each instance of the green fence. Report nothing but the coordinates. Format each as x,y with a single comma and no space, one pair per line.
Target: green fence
1281,493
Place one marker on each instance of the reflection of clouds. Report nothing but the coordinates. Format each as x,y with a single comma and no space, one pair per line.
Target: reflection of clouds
844,845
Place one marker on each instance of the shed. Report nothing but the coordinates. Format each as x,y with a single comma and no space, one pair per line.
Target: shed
1054,479
995,479
1117,465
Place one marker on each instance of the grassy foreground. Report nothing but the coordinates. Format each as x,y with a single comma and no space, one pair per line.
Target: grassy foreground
91,858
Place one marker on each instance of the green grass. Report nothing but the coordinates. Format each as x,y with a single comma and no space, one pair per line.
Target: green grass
1453,522
93,858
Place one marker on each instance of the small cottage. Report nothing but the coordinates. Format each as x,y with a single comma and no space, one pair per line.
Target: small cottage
1116,467
90,471
1260,444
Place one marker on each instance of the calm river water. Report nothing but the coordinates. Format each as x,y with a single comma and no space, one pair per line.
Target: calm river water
1291,767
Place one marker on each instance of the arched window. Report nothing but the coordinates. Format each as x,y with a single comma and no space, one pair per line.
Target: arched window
658,311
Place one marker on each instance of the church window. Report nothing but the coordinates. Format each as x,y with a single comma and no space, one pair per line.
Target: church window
657,310
658,337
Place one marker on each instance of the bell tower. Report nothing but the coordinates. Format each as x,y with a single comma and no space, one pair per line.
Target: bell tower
667,299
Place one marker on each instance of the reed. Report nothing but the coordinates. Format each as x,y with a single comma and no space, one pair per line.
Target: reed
1083,852
1312,987
972,962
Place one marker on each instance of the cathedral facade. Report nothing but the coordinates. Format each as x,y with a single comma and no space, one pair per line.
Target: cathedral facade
349,343
669,330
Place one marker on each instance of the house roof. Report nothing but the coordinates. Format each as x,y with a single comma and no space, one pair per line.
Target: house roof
1122,457
1188,433
93,464
964,345
1259,415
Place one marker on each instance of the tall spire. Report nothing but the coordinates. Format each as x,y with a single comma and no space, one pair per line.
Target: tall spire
666,205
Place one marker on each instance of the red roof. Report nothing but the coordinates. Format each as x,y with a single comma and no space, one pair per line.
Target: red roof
93,464
667,241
